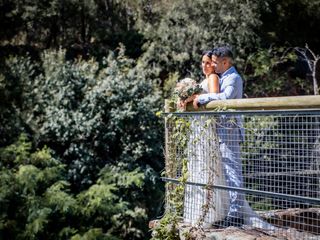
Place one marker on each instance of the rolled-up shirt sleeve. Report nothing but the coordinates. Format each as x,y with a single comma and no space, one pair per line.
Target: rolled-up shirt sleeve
229,92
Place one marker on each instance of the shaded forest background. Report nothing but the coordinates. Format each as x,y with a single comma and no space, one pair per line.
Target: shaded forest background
81,145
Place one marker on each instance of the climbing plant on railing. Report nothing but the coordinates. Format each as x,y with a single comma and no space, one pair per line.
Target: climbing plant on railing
176,163
185,136
208,133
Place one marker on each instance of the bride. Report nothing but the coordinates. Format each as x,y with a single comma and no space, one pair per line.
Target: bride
203,205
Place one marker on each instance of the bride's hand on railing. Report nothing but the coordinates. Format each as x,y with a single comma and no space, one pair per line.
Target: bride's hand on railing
189,99
181,105
196,101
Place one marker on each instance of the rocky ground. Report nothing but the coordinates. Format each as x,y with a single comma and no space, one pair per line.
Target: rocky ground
244,233
292,224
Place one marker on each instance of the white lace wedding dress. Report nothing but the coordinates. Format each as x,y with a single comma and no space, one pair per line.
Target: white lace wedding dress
203,205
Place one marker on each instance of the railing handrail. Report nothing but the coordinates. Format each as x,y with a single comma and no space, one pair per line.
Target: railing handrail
266,103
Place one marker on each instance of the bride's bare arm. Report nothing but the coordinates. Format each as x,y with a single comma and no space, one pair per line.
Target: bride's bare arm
213,83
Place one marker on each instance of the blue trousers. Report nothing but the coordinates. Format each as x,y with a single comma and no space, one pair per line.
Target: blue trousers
231,135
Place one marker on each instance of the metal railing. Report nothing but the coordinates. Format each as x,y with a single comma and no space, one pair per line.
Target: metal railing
257,168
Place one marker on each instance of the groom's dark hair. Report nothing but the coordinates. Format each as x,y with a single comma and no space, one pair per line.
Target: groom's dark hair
223,51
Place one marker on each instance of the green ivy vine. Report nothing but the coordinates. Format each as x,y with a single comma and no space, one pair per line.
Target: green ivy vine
178,132
179,128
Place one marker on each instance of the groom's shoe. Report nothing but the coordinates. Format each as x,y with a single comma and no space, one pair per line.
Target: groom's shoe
229,221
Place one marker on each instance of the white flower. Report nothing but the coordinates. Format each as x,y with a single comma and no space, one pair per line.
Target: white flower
186,88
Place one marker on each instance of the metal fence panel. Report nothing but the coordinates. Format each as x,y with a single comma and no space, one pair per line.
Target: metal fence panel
256,169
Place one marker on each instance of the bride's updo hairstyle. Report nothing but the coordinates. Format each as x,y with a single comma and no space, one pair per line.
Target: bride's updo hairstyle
207,53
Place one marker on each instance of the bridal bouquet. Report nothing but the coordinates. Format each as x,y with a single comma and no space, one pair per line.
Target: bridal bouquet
186,88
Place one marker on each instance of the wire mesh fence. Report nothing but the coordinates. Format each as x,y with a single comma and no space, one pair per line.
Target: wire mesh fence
255,169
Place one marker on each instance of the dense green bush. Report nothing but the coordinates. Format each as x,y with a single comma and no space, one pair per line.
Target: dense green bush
96,116
36,201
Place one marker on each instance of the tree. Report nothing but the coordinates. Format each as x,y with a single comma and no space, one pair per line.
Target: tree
94,116
185,28
82,27
37,201
293,23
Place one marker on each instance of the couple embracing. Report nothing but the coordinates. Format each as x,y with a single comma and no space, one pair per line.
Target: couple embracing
222,139
228,86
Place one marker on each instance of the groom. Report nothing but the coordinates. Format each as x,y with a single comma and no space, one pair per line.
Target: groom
231,87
